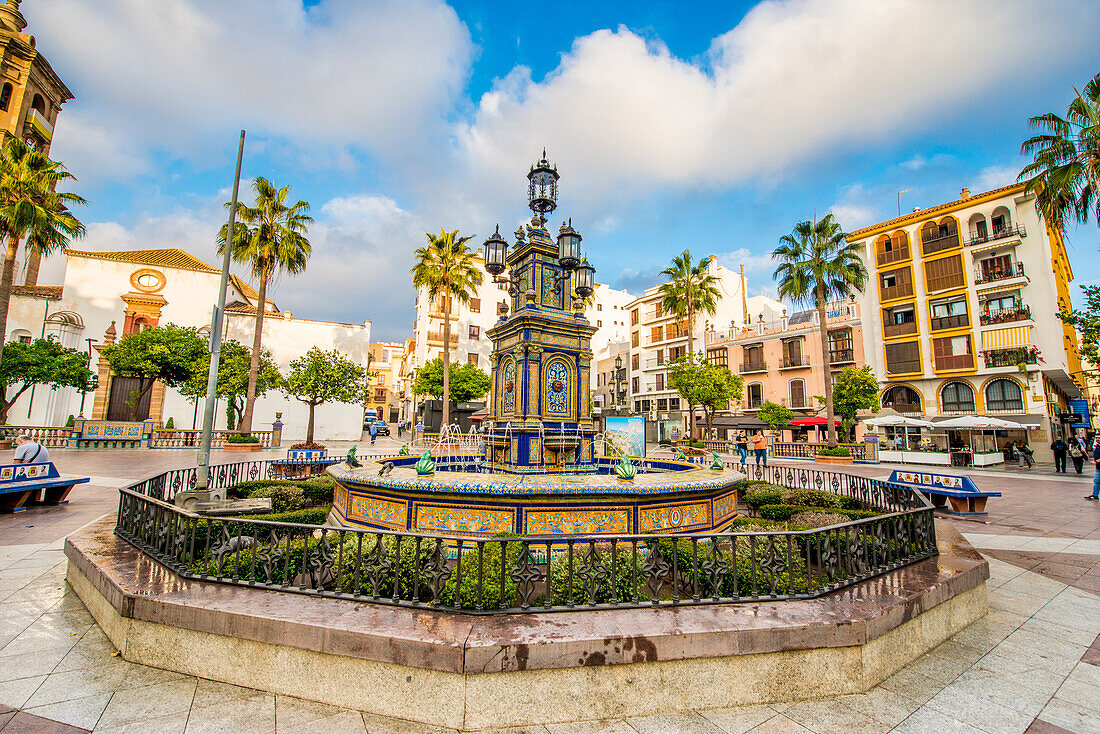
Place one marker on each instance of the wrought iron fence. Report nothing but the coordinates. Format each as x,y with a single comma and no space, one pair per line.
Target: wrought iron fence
521,574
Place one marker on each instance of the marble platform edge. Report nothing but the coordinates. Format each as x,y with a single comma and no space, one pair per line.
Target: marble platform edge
140,588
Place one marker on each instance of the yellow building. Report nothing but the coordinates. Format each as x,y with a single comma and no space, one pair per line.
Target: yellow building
31,93
960,312
386,366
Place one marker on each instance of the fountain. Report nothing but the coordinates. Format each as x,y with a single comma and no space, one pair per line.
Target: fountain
540,473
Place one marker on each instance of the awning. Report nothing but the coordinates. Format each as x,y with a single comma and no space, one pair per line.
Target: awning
1063,382
999,288
815,421
1012,242
1013,336
737,421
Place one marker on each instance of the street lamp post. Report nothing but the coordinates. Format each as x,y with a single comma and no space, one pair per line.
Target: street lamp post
620,378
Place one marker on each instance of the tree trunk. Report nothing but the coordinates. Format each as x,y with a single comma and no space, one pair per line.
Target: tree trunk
141,393
5,404
446,360
6,279
691,354
245,424
309,423
827,363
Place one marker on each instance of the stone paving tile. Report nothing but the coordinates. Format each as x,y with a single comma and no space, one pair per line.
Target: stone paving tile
1043,727
736,720
780,724
173,724
670,723
833,717
26,723
252,715
1079,717
148,702
80,712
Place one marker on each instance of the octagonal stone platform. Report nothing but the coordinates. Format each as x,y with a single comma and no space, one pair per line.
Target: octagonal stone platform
478,671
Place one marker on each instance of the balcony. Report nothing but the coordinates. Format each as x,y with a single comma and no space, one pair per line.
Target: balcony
908,327
841,356
1000,233
893,256
436,337
794,361
939,323
889,293
1011,357
993,274
904,408
948,362
903,368
939,243
1006,315
753,367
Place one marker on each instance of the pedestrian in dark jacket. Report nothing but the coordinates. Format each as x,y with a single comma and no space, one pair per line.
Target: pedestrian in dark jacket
1060,449
1078,452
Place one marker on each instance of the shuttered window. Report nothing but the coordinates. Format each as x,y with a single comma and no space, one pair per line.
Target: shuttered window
903,358
939,275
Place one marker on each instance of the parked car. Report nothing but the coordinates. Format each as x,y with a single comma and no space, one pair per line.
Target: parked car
382,427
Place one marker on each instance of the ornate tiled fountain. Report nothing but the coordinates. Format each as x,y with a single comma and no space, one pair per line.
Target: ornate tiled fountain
540,473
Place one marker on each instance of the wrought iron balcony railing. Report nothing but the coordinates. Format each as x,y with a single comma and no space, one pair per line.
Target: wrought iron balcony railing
1016,270
998,233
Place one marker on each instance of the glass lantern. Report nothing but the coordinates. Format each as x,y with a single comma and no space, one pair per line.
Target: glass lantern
585,276
496,252
569,247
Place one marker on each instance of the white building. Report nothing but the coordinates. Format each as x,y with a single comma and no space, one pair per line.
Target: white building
960,312
657,338
116,293
609,313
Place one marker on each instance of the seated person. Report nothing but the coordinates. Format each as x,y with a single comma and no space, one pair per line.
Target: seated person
27,451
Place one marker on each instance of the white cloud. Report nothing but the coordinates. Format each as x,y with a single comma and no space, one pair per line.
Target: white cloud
359,269
379,74
996,176
918,162
794,80
857,207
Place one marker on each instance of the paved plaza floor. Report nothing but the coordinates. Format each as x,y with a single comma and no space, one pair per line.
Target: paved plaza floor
1031,665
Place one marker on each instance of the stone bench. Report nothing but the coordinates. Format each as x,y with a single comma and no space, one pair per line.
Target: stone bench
948,492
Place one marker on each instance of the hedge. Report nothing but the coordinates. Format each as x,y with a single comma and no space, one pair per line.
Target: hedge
305,516
245,489
285,498
764,494
782,512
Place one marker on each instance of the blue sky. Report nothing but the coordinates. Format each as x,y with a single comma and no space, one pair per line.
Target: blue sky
709,126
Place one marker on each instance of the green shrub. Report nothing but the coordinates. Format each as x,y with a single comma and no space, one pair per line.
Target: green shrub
492,595
281,565
242,438
72,421
319,490
168,426
738,579
245,489
615,586
811,498
306,516
764,494
754,525
784,512
284,498
373,565
834,451
697,444
817,519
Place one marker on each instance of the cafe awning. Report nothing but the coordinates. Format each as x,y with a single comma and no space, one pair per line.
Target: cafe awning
1013,336
817,420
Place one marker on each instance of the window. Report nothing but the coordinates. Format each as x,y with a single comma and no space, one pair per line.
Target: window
25,339
798,393
674,403
660,380
957,397
755,395
379,393
655,334
39,104
1005,303
754,358
634,387
658,310
662,403
996,267
634,359
953,353
599,306
896,284
634,317
660,356
890,280
472,359
901,398
634,339
950,314
1004,395
5,96
902,358
475,332
792,353
599,324
946,273
475,305
674,353
719,356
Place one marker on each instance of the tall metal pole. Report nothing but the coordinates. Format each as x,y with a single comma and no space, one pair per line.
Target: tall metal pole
202,479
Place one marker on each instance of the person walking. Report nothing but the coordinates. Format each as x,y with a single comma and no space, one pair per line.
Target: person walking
1095,477
760,448
373,433
29,451
1078,451
1060,449
743,448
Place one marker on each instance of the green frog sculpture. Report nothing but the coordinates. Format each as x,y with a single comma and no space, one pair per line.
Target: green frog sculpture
404,450
350,459
680,455
717,465
425,466
625,469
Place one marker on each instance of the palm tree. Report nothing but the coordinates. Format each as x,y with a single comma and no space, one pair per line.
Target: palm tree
32,211
446,269
819,264
1065,172
270,238
690,290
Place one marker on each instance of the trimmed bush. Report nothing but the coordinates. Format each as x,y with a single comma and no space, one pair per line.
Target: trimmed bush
248,563
810,498
318,491
784,512
764,494
72,421
242,438
817,519
308,446
170,425
834,451
754,525
613,587
285,498
305,516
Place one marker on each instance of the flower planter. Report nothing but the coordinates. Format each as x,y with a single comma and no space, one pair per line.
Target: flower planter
242,446
6,444
832,459
306,454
